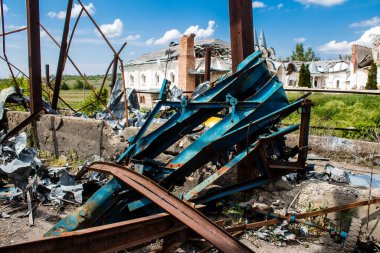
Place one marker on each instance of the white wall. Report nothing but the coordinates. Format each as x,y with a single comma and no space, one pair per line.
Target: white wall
151,71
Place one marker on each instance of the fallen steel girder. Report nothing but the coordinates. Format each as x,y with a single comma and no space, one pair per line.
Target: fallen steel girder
107,238
174,206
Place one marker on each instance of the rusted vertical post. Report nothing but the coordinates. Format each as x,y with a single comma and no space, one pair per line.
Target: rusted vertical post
34,54
125,93
47,73
242,45
241,30
114,73
62,56
208,64
304,132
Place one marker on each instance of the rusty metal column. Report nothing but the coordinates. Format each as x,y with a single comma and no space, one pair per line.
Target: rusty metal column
241,30
34,54
114,73
208,64
62,56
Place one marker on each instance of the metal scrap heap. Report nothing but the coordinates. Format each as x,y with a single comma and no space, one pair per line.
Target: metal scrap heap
250,104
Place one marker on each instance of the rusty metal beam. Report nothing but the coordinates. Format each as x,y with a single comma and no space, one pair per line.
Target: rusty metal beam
114,74
98,28
107,238
14,31
124,94
80,73
351,205
23,124
62,56
34,54
179,209
113,63
208,64
241,30
4,47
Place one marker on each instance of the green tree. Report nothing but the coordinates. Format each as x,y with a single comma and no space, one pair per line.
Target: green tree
372,78
80,85
304,77
299,54
92,105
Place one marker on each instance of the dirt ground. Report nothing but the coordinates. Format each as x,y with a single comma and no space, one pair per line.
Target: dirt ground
14,229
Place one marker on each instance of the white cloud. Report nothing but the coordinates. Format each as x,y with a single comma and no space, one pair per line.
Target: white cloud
300,40
334,47
344,47
15,27
149,42
5,9
174,34
168,37
326,3
202,33
112,30
74,11
133,37
279,6
258,4
370,22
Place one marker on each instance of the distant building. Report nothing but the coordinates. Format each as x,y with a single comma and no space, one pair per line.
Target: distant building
184,66
334,74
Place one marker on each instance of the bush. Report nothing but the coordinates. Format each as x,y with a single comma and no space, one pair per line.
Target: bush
372,78
91,105
80,85
64,86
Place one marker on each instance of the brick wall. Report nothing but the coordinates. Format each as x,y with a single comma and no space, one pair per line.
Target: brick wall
186,63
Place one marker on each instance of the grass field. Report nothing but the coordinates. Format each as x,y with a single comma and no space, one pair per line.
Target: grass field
361,112
73,97
344,111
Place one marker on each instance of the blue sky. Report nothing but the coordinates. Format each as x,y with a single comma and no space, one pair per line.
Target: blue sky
330,27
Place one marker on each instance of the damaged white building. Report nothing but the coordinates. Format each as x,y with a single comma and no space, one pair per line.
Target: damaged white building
183,65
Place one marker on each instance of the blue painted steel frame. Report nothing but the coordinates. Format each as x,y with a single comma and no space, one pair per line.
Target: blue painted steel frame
248,115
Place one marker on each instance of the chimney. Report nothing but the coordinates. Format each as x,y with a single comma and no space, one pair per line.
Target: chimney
186,63
354,58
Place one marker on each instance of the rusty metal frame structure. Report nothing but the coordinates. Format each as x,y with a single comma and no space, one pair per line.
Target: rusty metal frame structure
35,56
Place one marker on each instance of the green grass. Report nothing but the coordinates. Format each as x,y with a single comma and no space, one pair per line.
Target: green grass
343,111
73,97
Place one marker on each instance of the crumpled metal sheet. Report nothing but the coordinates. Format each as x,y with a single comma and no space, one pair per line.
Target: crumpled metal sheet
175,93
16,95
60,184
18,160
202,88
116,102
11,94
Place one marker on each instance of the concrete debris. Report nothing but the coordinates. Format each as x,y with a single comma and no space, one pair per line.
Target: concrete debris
336,174
278,234
333,174
339,144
